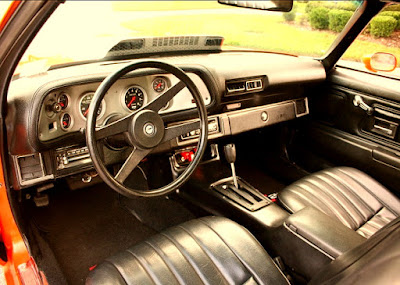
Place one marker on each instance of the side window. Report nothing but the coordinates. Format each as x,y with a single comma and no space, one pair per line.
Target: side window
373,49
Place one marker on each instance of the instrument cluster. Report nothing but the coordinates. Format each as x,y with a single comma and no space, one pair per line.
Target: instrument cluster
65,110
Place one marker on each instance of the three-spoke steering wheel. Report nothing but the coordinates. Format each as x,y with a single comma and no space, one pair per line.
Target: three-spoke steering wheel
144,130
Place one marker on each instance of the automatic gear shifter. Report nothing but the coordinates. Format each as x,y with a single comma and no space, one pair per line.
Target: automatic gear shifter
230,155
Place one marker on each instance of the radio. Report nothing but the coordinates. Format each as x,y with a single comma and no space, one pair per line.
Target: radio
71,157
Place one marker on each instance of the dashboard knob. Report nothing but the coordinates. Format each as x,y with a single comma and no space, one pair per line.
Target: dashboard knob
56,107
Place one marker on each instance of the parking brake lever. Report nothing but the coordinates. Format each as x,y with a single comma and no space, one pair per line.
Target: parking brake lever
230,155
359,102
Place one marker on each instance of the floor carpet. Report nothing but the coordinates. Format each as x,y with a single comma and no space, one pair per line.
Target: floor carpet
84,227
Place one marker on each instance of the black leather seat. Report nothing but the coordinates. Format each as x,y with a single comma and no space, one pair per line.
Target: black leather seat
211,250
215,250
347,194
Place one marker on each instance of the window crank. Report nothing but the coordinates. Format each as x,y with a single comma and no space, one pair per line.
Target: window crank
359,102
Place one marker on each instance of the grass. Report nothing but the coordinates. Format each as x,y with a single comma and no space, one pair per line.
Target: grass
244,30
165,5
255,31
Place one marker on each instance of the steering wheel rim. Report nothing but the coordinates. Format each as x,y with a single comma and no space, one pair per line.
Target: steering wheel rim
144,144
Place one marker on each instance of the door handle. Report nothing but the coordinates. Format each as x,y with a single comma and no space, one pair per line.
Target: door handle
359,102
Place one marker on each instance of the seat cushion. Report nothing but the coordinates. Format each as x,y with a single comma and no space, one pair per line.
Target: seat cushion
211,250
347,194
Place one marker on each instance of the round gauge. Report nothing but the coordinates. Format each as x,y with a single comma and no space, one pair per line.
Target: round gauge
63,101
66,121
159,84
85,103
134,98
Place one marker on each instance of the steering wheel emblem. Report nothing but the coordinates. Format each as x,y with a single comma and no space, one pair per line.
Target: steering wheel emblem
149,129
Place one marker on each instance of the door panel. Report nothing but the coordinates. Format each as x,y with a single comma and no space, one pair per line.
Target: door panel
341,133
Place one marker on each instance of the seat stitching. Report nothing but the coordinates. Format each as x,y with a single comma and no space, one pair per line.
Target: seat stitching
373,194
335,200
237,255
302,195
347,186
116,268
340,192
330,206
188,259
143,266
205,252
164,259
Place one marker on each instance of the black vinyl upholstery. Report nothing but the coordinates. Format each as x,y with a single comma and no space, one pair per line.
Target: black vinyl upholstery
347,194
211,250
376,261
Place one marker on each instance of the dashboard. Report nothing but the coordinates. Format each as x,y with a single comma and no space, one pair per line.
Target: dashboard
243,91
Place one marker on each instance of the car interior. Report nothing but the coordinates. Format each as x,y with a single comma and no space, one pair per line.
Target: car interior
204,166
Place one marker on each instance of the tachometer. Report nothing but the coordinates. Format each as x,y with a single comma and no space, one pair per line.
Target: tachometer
159,84
85,103
134,98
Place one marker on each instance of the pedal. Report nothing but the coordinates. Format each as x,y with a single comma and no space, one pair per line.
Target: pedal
41,200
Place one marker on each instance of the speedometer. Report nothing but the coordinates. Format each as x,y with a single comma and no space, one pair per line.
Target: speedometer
85,103
134,98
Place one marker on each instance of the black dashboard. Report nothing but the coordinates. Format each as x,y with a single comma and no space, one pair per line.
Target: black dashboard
241,90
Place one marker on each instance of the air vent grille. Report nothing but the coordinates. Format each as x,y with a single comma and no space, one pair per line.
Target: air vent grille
244,86
128,45
176,41
30,167
236,87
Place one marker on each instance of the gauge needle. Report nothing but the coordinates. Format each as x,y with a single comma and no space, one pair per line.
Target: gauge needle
158,85
86,112
132,100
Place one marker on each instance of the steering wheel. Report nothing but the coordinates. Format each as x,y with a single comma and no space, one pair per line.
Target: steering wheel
144,130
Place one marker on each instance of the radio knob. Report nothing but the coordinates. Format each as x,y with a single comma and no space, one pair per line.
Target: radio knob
65,160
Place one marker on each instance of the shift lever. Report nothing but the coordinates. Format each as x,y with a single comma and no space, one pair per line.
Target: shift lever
230,155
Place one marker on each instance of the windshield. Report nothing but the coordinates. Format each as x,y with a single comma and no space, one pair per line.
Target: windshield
80,31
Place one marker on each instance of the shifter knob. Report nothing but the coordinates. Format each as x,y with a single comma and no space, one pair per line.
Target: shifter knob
230,153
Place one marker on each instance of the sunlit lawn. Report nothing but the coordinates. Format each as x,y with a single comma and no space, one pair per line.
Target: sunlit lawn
266,32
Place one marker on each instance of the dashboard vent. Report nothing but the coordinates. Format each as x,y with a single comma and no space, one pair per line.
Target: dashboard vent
176,41
30,167
235,87
128,45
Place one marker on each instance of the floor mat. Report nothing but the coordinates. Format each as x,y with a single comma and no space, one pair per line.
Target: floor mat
157,213
85,227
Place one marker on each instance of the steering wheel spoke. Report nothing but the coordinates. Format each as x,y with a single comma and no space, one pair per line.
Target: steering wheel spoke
113,128
178,130
130,164
158,103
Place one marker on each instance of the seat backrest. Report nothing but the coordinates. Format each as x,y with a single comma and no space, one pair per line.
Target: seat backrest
376,261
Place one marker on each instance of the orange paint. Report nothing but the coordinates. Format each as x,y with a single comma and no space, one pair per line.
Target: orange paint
17,252
10,11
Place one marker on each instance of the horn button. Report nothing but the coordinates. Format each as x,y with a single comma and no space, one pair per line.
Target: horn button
146,129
